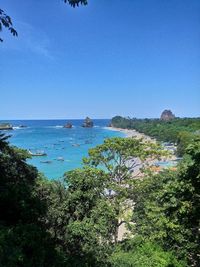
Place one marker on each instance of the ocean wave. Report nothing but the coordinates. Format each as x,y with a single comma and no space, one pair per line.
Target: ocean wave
55,127
16,128
110,129
19,127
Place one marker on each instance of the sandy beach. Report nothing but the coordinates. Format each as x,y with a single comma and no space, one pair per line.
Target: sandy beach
132,133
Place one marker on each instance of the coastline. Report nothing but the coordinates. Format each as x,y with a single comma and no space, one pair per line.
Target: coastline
129,133
135,134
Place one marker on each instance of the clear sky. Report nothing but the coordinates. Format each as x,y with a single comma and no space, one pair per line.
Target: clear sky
126,57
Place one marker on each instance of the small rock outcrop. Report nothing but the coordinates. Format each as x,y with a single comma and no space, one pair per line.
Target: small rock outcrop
88,123
6,126
68,125
167,115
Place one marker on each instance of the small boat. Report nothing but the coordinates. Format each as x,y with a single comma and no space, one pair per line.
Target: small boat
37,153
76,145
60,159
46,161
22,126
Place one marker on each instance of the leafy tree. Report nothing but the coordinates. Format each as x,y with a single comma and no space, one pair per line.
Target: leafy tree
167,207
75,3
79,217
146,254
6,22
76,222
178,130
23,238
183,140
84,213
123,159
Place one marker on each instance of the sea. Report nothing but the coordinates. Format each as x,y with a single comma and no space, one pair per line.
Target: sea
64,148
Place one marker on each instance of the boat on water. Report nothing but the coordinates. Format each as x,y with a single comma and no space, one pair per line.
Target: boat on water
37,153
60,159
76,145
46,161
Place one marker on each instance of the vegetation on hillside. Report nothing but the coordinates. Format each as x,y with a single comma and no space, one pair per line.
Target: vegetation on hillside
74,222
179,130
166,209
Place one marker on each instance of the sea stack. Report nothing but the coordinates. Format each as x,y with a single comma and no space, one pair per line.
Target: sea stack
6,126
167,115
68,125
88,123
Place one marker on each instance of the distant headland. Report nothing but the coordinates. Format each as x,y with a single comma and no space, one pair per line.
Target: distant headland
6,126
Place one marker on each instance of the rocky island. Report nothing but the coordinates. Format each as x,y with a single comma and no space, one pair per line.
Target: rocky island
167,115
6,126
88,123
68,125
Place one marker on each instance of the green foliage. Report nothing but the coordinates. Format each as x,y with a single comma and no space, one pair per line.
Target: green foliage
79,217
167,207
122,159
75,3
178,130
183,140
23,238
74,222
145,255
120,156
6,22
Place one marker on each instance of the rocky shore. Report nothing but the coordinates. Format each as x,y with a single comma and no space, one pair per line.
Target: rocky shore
6,126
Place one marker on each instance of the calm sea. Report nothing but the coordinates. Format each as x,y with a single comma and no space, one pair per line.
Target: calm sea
65,148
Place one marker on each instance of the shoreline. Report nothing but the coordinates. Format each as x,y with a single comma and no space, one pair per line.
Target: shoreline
129,133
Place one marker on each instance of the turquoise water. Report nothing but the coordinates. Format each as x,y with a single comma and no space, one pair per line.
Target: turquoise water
57,142
166,164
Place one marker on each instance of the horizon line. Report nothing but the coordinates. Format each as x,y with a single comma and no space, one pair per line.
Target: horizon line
92,118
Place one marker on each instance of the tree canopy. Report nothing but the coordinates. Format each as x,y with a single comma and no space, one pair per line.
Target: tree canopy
166,207
178,130
75,3
74,222
6,22
24,240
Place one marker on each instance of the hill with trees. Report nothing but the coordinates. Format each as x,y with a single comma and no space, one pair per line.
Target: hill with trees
181,131
74,222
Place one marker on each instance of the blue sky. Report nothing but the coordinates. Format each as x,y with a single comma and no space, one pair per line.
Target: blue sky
131,57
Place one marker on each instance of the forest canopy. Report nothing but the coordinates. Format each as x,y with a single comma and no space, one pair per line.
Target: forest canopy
74,222
180,131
